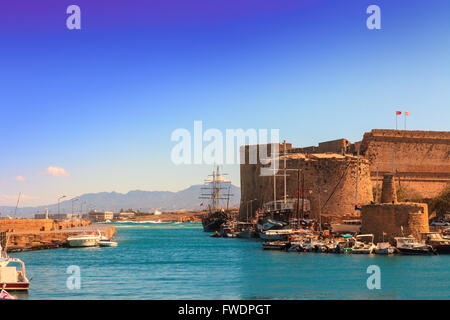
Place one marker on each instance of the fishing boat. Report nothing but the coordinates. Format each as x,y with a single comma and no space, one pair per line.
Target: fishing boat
84,239
11,278
363,244
437,242
410,246
384,248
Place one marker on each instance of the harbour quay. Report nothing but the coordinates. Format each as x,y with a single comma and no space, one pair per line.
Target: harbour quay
38,234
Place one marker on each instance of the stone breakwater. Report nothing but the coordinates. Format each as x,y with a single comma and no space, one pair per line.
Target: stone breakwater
15,225
38,234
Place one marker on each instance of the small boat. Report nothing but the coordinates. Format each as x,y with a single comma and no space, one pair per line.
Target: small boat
364,244
275,245
437,242
105,243
410,246
345,245
85,239
384,248
296,247
273,235
11,278
216,234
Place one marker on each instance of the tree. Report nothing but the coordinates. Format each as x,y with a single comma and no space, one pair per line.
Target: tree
406,194
441,204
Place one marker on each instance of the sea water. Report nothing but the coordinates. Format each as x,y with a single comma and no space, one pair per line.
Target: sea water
180,261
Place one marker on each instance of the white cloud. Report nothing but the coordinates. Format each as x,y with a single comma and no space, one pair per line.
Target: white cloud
20,178
56,172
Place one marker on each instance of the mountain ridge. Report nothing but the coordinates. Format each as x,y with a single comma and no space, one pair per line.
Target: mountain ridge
146,201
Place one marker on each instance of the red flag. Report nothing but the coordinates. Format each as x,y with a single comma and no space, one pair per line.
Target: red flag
398,112
407,113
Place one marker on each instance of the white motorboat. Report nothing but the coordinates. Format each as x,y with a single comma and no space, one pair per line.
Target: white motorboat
364,244
85,239
106,243
274,235
11,278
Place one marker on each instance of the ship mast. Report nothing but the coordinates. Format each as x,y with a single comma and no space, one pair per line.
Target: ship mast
213,190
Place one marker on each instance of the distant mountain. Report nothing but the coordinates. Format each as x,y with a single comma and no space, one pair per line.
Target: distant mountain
187,199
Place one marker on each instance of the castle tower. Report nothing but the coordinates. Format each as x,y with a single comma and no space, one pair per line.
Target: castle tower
388,193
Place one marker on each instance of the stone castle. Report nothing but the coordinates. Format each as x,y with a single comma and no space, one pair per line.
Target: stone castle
329,172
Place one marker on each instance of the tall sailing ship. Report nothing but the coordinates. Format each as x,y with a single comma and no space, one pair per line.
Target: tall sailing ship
213,191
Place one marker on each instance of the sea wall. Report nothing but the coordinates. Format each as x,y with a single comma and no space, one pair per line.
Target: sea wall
39,224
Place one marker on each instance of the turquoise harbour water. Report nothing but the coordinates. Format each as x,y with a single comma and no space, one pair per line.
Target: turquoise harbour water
179,261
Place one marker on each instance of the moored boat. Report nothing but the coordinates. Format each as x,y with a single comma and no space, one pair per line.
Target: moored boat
84,239
363,244
384,248
275,245
437,242
106,243
10,278
410,246
274,235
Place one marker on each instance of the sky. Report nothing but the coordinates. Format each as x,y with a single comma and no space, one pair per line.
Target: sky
93,110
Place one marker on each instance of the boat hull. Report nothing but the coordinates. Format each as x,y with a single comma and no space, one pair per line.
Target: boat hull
212,225
384,251
414,252
361,251
444,249
107,244
79,243
19,286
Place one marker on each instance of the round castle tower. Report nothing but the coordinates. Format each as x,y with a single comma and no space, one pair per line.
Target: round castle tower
390,219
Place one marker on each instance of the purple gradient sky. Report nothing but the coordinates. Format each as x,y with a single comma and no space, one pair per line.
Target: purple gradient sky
102,102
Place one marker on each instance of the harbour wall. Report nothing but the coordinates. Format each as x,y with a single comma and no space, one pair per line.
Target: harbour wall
36,234
38,240
39,224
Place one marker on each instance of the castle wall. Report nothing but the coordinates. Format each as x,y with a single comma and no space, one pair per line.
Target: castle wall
420,159
329,185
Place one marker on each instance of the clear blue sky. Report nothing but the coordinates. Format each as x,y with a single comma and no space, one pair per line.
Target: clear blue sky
102,102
